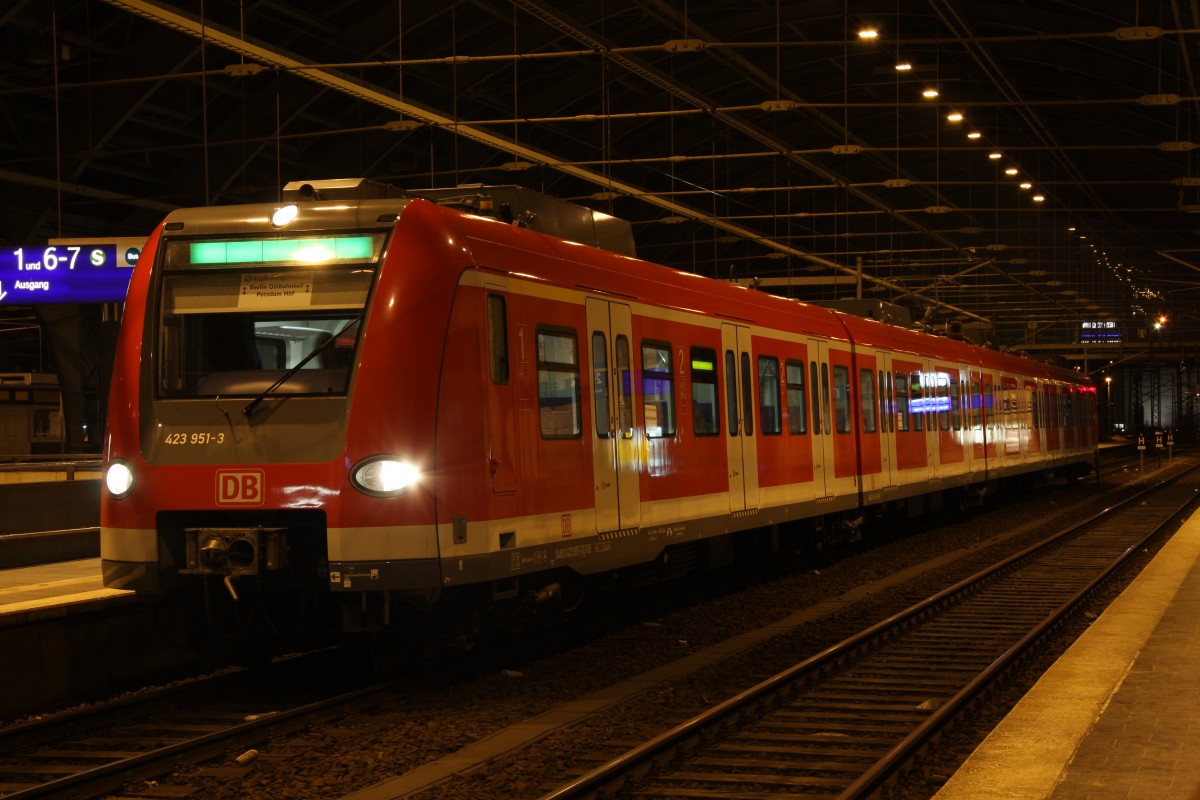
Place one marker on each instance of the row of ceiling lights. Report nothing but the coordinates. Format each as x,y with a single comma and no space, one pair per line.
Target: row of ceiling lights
872,34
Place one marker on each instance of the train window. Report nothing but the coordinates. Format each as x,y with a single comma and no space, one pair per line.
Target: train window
976,402
841,398
706,415
731,400
825,411
889,412
624,388
241,317
600,383
747,396
886,419
816,400
901,402
918,402
1036,410
955,404
866,388
796,412
658,390
497,338
769,411
942,401
558,385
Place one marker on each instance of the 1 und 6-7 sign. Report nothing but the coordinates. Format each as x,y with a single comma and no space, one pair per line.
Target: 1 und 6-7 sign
67,272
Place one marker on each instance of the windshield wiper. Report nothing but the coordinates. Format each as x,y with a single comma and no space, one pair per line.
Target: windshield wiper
257,401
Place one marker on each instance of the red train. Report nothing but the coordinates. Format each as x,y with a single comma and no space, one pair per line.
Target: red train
386,414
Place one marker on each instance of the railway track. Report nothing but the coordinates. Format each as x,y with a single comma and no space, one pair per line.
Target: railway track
99,748
852,719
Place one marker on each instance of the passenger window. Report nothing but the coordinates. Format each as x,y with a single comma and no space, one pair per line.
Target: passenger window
797,411
943,401
889,412
658,390
731,400
841,398
885,396
816,399
901,402
955,405
976,402
600,383
747,396
497,338
769,411
866,388
706,419
825,415
918,402
624,388
558,385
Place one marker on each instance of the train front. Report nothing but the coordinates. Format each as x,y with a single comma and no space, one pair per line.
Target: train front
229,450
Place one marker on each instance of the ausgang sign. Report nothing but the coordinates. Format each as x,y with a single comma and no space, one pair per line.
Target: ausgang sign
68,271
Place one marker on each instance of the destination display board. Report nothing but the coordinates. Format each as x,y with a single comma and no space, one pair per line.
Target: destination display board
68,271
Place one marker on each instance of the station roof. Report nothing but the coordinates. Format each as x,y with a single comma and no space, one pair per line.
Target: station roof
1049,187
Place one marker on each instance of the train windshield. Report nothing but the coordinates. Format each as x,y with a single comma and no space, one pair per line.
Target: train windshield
239,315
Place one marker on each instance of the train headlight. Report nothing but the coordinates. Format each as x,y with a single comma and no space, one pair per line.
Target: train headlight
118,479
384,476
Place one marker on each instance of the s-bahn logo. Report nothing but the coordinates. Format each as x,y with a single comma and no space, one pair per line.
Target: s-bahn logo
240,487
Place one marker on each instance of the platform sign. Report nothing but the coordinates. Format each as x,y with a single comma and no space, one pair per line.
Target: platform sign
1141,441
1158,440
68,271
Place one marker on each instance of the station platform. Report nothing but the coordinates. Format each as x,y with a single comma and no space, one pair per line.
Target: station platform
38,590
1118,715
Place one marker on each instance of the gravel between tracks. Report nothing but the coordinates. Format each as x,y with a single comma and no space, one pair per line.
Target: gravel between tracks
431,721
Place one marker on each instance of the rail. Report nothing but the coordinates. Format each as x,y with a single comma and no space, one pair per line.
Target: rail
787,689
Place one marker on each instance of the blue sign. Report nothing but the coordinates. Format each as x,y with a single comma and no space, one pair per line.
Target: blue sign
66,273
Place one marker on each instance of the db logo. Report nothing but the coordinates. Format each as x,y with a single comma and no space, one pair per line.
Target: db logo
240,487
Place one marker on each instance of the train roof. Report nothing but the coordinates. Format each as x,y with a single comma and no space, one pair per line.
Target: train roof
504,247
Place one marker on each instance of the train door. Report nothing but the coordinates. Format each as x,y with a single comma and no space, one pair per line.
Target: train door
822,427
740,445
616,464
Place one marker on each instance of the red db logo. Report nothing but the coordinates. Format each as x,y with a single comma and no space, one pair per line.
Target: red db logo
240,487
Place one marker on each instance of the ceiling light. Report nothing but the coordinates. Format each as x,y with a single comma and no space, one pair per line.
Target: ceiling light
903,66
1037,198
974,135
1026,185
867,34
954,116
929,94
995,155
1011,171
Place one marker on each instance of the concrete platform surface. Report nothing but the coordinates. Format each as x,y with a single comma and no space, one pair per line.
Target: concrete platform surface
1118,716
